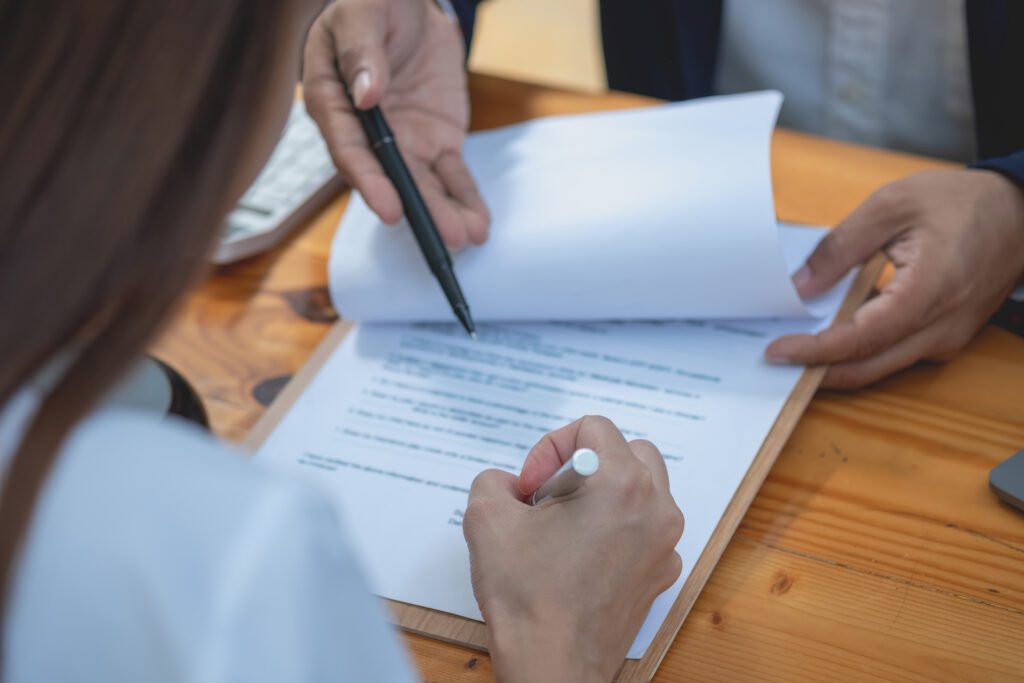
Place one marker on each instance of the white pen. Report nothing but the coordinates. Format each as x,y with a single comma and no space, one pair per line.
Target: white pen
569,476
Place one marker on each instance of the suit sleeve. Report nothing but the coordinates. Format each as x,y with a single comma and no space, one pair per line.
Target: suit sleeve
1011,166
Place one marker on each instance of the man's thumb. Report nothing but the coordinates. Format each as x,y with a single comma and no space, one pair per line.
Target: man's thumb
359,44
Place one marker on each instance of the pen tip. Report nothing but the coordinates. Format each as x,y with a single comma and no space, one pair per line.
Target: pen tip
462,313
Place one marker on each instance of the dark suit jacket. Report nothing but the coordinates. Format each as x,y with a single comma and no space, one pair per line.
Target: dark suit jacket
668,49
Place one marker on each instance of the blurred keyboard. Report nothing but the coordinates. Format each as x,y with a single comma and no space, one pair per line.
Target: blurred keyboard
298,180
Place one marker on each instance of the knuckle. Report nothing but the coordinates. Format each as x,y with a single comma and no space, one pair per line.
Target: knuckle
315,91
867,342
828,250
478,511
636,484
864,345
927,302
948,349
672,569
644,445
478,491
598,422
675,523
349,59
835,344
675,567
890,198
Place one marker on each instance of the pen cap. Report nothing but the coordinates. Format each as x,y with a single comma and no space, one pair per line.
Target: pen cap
570,476
585,462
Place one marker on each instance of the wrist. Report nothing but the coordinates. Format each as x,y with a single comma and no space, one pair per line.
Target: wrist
1005,199
1007,191
534,648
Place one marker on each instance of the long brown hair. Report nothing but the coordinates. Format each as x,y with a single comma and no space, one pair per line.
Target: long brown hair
122,124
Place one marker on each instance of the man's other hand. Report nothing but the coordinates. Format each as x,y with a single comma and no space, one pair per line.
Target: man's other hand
956,240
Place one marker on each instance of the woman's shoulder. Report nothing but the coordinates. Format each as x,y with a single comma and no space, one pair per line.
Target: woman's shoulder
148,489
157,552
153,541
129,470
156,502
134,442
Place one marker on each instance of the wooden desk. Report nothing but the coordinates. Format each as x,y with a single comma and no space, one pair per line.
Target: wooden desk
874,550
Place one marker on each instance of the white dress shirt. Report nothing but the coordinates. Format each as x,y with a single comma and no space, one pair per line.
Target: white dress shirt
888,73
157,554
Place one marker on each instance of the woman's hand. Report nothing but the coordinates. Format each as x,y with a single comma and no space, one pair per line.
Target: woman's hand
408,57
956,239
565,586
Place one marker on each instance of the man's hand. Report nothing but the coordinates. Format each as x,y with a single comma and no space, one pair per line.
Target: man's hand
565,586
407,57
956,239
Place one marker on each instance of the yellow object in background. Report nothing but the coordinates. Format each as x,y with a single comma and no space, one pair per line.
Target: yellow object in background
552,43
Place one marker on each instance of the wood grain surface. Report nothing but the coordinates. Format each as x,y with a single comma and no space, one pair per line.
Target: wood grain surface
874,550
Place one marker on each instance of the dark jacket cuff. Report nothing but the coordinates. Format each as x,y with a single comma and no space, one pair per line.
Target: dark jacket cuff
466,12
1011,166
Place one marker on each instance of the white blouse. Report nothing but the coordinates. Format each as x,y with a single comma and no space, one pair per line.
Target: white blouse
157,554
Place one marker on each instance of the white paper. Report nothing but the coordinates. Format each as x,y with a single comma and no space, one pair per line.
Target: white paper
401,418
660,213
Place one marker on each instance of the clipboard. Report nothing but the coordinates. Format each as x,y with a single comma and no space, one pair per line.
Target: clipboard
473,634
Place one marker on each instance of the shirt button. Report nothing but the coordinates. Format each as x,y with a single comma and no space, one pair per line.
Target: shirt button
852,92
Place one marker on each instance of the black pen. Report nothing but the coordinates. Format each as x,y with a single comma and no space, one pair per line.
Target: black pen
384,147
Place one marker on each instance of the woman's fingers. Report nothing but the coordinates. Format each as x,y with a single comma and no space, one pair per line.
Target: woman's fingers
491,496
610,550
647,453
555,448
494,485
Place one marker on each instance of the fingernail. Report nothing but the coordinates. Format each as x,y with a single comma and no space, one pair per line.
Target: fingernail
802,277
360,84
